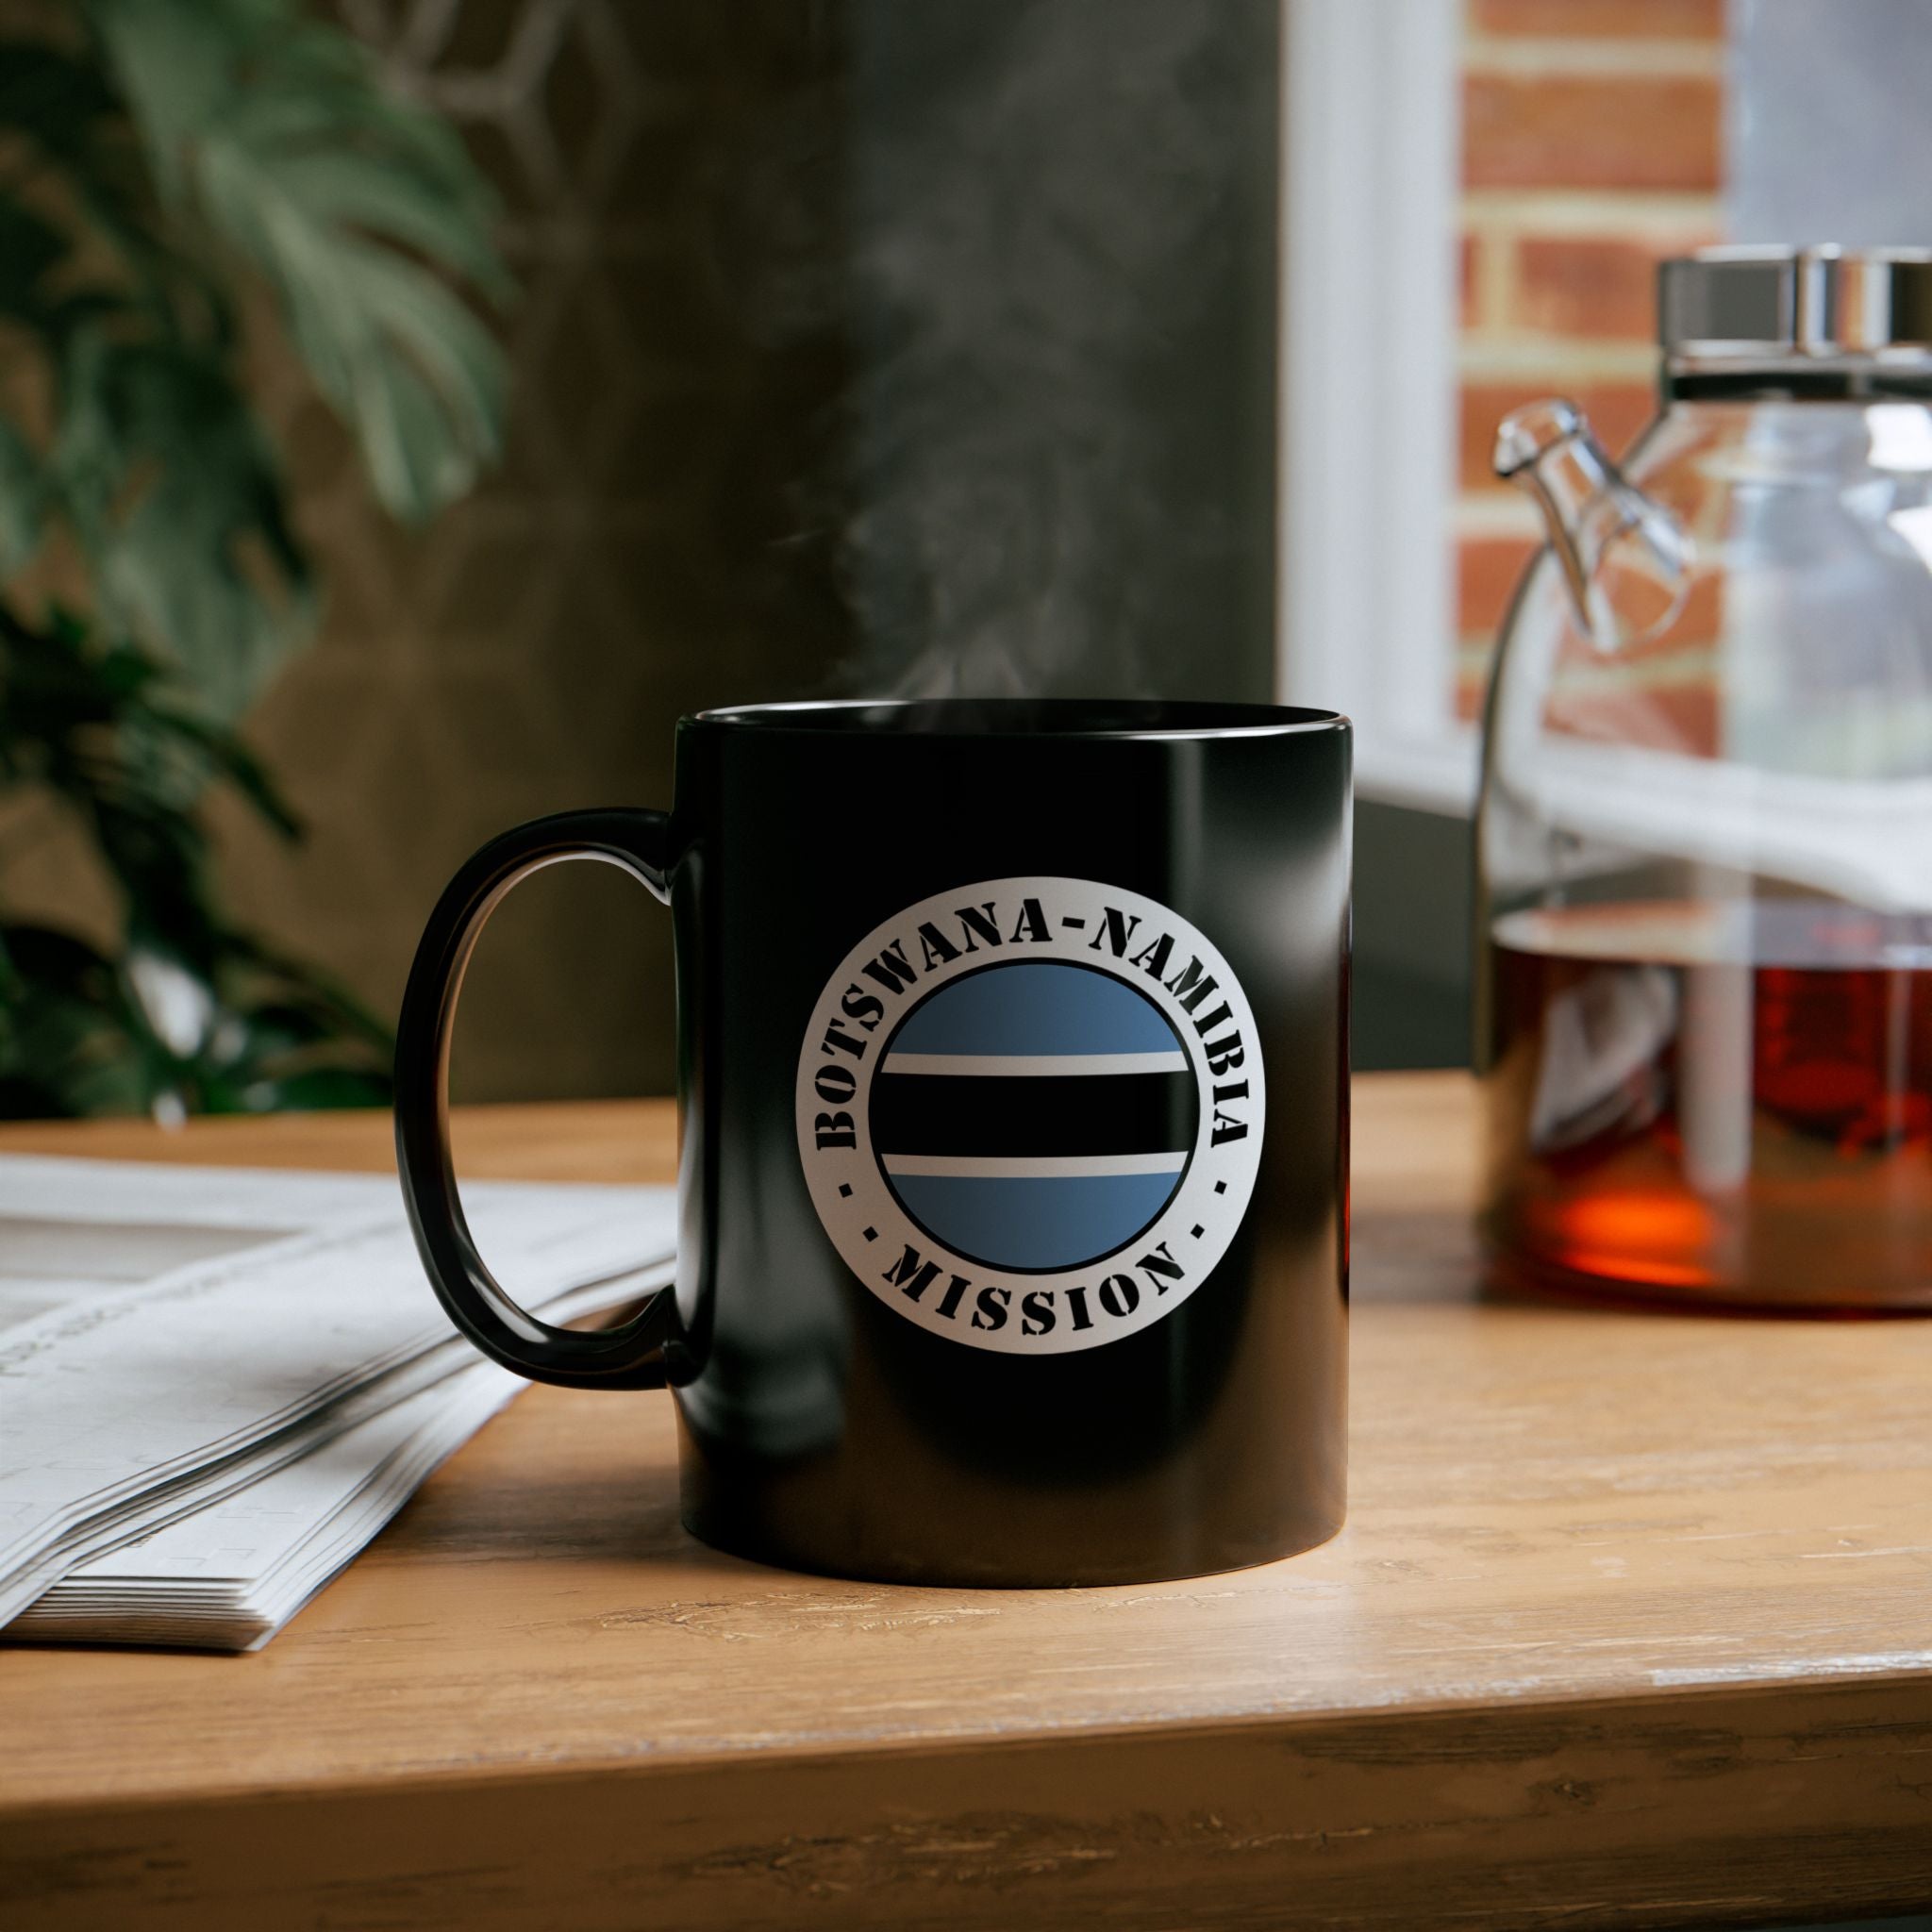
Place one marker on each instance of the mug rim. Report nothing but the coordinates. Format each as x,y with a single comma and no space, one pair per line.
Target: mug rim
1025,718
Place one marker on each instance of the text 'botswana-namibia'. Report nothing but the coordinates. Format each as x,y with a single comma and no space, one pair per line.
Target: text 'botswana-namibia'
1033,1083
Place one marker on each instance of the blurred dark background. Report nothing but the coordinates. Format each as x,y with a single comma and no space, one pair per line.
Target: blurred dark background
899,346
860,347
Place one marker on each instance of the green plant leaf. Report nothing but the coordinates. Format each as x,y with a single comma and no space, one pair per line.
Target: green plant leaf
157,150
66,1048
53,97
173,64
228,758
352,201
312,1088
73,129
29,248
22,500
175,498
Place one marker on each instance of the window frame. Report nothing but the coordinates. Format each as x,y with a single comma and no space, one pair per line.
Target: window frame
1369,309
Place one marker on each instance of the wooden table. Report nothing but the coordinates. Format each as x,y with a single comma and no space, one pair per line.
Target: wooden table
1631,1625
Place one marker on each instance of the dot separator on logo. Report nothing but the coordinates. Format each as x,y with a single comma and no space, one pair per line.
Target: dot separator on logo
1030,1112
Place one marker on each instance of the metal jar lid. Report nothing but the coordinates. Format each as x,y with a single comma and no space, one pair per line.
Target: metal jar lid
1778,305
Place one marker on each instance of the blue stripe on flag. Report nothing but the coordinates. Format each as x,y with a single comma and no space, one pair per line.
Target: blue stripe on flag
1061,1223
1036,1006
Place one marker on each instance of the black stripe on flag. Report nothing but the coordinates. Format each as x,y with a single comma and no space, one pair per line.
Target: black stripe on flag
1085,1113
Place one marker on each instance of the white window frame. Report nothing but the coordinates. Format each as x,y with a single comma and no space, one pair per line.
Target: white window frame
1369,309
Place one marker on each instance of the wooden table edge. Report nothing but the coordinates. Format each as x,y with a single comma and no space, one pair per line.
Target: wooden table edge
1599,1713
1714,1799
1507,1817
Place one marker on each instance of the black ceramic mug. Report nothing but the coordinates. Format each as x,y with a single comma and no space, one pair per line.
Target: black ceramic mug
1013,1084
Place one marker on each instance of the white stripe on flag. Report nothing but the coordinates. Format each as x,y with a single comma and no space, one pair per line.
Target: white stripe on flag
1011,1065
1031,1167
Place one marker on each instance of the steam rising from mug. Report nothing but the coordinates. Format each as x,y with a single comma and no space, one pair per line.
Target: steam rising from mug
1055,451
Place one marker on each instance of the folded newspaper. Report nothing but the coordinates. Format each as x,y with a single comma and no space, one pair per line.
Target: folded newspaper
217,1385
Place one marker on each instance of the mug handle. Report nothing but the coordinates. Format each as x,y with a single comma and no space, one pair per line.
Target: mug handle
629,1356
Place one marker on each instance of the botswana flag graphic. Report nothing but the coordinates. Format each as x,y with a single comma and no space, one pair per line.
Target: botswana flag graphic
1034,1116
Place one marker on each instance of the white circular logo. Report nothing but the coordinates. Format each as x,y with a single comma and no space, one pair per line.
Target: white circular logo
1030,1112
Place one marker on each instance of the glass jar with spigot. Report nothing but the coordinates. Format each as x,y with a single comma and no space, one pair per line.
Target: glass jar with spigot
1704,837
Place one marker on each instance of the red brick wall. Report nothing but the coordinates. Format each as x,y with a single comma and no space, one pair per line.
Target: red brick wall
1591,147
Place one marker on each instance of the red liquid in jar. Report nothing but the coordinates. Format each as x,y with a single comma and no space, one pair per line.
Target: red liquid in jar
1713,1103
